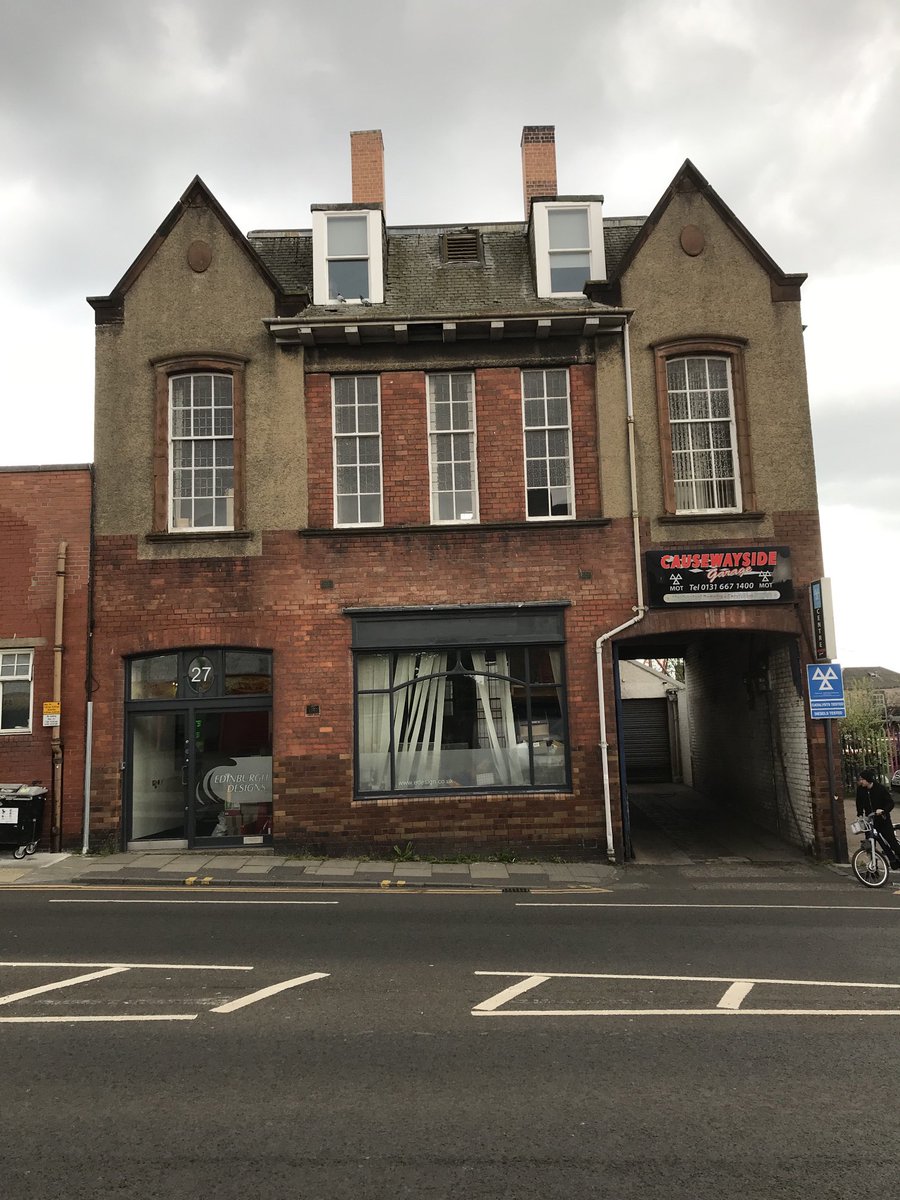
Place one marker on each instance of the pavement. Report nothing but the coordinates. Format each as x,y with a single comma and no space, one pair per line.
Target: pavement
241,869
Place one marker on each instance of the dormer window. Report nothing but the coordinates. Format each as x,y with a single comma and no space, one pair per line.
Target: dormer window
347,266
568,246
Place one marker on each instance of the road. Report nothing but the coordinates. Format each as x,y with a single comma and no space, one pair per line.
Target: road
345,1044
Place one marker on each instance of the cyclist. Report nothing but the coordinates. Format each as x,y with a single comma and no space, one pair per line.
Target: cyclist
875,801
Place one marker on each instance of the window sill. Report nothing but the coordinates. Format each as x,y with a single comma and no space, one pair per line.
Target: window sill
196,535
452,530
704,518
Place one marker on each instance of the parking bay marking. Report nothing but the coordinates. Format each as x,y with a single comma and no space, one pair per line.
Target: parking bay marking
729,1004
108,969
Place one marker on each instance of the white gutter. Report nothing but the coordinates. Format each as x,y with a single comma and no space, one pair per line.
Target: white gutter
638,609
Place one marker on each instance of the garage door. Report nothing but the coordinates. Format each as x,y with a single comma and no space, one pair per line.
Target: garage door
648,756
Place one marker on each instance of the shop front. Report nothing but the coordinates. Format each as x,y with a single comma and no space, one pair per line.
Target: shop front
198,754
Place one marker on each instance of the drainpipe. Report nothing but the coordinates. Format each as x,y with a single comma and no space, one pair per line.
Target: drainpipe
638,609
55,743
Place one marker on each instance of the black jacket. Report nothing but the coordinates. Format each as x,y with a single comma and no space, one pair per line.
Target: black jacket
869,799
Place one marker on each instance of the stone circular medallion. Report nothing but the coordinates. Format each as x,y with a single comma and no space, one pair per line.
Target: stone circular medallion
199,256
692,240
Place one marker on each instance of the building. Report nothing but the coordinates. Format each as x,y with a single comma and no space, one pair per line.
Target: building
380,509
45,532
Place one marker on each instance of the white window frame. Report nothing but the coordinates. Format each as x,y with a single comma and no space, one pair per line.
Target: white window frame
542,252
174,525
434,434
374,233
730,421
356,436
526,429
22,673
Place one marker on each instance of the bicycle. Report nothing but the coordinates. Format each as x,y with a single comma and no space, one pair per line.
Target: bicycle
871,863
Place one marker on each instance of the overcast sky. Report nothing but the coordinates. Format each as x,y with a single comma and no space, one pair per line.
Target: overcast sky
790,110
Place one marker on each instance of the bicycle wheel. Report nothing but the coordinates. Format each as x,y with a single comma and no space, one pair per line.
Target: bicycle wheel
871,867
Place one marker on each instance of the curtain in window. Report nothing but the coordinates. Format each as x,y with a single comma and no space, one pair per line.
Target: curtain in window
500,728
420,687
374,723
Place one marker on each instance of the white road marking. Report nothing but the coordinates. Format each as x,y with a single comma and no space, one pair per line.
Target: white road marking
735,994
133,966
692,979
509,993
692,1012
191,900
729,1005
868,909
263,993
60,983
69,1020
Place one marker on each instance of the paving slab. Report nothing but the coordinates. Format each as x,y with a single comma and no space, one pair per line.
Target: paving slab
412,871
488,871
256,869
450,869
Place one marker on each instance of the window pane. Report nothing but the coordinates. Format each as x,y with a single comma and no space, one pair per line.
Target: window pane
348,279
370,510
538,503
532,383
569,272
568,228
348,236
535,412
347,510
247,671
700,412
154,678
15,712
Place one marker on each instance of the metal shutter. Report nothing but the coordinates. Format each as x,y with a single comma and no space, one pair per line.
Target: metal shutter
648,755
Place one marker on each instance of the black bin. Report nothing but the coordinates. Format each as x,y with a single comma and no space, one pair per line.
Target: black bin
21,816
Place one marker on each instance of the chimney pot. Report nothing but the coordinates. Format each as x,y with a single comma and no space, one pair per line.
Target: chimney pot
538,163
367,166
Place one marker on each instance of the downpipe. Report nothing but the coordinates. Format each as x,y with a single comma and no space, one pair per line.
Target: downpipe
56,750
639,609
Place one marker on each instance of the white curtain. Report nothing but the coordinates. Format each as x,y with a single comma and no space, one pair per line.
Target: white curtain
418,716
373,671
507,763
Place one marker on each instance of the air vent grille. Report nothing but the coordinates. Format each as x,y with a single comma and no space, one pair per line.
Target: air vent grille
462,245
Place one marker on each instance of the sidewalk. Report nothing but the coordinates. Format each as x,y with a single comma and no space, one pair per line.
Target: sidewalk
199,869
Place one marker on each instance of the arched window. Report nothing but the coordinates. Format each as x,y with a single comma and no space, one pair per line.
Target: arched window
703,426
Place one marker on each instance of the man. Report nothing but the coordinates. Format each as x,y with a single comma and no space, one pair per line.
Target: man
875,801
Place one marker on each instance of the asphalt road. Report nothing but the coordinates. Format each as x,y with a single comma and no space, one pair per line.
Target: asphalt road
436,1045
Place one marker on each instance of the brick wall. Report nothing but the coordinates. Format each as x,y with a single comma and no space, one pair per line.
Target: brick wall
498,406
39,508
291,600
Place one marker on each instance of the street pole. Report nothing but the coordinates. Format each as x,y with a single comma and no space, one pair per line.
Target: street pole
839,833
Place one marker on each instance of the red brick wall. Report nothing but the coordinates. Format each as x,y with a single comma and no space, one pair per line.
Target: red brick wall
278,602
39,508
404,446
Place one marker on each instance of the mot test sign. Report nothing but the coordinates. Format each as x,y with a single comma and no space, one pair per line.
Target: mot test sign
719,575
826,691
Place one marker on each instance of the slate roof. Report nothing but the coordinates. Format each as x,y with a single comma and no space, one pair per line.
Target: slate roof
418,282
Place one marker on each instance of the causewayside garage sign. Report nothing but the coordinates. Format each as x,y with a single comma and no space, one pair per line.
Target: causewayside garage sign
721,575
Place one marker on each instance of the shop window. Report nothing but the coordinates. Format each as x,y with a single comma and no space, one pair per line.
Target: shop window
446,717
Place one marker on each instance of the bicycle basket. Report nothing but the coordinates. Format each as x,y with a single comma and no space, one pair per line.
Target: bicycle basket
862,825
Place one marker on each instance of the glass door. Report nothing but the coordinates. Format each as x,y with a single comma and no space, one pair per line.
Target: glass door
160,764
232,776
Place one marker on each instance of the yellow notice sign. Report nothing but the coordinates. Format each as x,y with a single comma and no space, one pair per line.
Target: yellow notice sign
51,712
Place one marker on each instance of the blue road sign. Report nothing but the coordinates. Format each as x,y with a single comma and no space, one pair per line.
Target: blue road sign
826,690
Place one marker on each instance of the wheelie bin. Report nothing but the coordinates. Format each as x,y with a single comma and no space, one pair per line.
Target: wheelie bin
21,816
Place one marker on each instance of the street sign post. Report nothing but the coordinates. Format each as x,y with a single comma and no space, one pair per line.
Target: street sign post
826,691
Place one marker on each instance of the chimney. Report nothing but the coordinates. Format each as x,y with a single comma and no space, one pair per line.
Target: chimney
367,166
538,163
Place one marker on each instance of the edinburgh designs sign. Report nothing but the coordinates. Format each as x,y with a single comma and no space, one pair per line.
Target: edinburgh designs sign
722,575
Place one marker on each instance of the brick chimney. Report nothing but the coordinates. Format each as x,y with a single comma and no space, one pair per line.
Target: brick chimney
367,166
538,163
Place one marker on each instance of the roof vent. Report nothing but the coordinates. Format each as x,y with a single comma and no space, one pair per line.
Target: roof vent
461,245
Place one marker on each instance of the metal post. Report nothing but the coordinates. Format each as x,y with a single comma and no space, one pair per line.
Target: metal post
839,832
